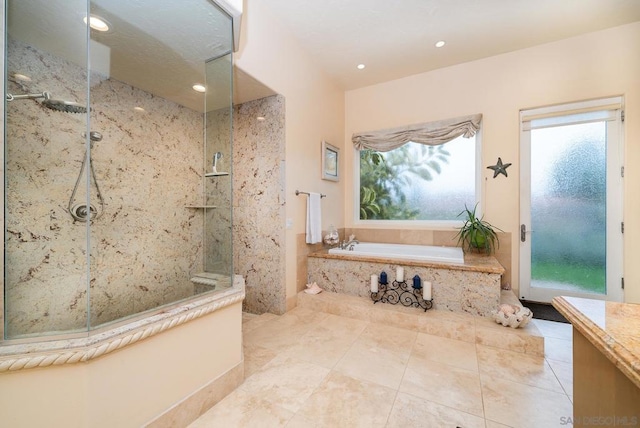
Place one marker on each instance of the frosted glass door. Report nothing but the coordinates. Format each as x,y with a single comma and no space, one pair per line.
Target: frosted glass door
568,208
571,220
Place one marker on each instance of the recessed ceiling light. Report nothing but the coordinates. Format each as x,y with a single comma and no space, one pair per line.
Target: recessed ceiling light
440,43
261,118
360,66
97,23
199,88
140,109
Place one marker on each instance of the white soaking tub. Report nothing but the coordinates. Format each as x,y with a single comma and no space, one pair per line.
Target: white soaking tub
452,255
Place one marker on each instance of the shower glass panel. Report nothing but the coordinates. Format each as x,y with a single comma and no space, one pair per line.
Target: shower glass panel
218,133
105,213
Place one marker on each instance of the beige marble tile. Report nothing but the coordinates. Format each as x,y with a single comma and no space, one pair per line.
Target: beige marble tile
558,349
242,409
517,367
518,405
564,373
448,324
558,330
525,340
255,358
327,341
411,411
449,351
443,384
287,382
379,355
256,321
285,331
343,401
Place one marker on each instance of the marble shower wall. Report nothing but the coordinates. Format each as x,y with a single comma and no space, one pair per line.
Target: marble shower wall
258,203
145,245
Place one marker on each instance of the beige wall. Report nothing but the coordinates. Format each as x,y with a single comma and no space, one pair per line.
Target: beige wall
595,65
314,108
129,387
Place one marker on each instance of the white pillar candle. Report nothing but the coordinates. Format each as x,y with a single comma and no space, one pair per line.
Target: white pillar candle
400,274
374,283
426,290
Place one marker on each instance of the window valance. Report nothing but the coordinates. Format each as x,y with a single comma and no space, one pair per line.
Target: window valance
430,133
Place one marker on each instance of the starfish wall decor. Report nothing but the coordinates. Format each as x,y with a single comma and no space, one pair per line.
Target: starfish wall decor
499,168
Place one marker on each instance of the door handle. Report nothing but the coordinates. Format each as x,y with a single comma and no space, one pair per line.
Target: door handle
523,233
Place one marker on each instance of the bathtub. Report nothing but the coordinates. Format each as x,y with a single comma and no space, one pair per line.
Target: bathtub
451,255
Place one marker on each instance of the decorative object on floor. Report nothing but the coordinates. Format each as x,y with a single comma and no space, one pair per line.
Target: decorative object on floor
476,233
400,292
512,315
499,168
544,311
313,288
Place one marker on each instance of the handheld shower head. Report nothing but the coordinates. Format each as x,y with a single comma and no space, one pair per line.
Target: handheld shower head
48,102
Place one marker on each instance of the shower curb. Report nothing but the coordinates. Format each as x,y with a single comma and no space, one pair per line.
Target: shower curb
106,342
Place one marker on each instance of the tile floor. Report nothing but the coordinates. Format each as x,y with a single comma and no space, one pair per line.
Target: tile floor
313,369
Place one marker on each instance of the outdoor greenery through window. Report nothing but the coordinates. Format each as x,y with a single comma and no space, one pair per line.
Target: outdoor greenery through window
418,181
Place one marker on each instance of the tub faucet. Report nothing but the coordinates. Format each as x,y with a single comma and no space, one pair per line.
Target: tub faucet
349,244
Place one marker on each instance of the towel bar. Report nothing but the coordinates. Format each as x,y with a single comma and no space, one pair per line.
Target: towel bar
298,192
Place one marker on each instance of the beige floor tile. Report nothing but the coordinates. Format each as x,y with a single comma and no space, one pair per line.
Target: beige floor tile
284,381
343,401
285,331
411,411
518,405
558,330
326,342
564,373
256,357
517,367
254,321
558,349
449,351
443,384
379,355
240,409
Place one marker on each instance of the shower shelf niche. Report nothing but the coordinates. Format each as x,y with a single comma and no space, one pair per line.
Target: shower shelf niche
201,206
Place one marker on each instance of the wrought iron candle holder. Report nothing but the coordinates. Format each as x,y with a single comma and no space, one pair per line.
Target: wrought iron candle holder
401,292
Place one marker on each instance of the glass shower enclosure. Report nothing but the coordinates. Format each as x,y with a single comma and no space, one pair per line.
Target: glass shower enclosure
115,114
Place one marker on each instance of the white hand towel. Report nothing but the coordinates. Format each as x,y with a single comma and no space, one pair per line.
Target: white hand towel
314,223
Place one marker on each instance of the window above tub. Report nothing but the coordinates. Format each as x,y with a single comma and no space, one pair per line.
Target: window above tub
419,173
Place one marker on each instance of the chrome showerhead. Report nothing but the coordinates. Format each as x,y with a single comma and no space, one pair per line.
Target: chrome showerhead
64,106
58,105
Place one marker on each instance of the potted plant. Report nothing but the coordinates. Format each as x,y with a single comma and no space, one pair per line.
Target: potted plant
476,233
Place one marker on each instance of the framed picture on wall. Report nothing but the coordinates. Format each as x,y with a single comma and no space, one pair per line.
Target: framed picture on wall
330,159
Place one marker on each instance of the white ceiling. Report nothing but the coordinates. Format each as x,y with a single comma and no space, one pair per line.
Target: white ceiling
396,38
393,38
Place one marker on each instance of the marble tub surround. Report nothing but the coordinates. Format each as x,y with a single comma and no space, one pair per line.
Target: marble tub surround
426,380
612,328
445,238
473,287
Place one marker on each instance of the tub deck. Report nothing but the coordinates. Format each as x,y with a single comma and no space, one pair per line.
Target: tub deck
472,287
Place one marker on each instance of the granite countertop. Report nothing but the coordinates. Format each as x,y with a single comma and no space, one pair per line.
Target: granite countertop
472,262
613,328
